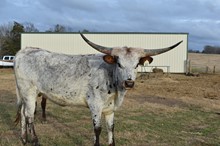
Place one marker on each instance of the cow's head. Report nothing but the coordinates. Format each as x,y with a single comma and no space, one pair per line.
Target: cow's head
126,60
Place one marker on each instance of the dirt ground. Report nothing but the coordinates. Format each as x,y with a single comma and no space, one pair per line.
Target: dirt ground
179,90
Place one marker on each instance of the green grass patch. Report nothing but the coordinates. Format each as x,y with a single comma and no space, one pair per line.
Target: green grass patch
179,128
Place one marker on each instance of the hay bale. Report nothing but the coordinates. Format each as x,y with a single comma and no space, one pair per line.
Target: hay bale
157,70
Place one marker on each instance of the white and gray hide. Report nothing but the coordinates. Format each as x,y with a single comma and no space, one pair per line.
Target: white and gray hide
98,82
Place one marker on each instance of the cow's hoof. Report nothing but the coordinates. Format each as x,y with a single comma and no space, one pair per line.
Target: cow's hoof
24,141
96,144
35,143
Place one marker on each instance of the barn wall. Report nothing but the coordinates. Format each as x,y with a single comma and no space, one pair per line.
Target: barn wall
72,43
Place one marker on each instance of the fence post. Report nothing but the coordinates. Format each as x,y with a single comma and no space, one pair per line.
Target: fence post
214,69
188,66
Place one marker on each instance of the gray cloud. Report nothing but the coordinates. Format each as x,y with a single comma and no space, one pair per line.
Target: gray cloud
199,18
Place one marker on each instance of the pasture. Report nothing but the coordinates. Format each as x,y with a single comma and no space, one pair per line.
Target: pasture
174,110
204,62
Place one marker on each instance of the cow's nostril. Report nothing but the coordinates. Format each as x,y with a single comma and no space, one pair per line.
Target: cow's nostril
129,84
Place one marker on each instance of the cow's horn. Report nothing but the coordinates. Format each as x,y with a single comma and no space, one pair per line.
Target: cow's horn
152,52
105,50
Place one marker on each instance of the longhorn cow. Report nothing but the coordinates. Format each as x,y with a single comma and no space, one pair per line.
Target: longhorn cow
98,82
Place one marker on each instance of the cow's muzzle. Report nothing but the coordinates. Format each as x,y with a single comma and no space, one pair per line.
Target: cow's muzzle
128,84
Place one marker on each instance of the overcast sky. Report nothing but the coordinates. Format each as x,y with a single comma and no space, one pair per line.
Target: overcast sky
199,18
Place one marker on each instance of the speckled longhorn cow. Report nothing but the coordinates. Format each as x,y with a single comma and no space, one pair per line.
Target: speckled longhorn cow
98,82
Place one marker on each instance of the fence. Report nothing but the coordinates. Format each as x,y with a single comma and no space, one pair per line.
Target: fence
199,68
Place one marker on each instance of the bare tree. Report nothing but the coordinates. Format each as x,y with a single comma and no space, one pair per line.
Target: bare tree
5,34
57,28
5,29
29,27
11,39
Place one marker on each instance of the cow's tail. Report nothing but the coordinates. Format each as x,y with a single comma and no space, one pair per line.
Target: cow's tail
18,116
19,105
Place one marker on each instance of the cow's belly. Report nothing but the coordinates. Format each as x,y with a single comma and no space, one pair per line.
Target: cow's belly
67,93
65,100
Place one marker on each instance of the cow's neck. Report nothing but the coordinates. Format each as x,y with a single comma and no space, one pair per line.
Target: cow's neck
120,93
119,89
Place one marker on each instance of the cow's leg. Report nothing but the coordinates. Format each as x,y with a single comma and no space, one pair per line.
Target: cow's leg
96,117
29,118
43,106
30,125
23,126
21,115
109,118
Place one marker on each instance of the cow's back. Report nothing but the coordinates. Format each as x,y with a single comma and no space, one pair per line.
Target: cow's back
58,76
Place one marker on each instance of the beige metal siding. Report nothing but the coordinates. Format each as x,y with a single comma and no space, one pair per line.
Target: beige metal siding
72,43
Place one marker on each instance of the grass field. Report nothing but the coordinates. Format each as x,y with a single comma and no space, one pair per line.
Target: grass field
174,110
200,62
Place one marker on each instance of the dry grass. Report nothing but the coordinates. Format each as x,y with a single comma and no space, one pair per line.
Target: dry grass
160,111
205,60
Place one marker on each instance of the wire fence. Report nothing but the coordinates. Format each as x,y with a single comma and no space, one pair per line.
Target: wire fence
206,69
203,69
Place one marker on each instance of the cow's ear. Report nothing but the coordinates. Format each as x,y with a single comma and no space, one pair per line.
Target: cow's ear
143,59
109,59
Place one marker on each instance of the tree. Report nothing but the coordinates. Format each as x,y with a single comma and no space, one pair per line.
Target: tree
211,50
5,30
12,42
57,28
29,27
85,30
10,36
5,35
193,51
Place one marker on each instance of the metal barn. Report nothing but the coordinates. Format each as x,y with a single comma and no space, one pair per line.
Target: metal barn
71,43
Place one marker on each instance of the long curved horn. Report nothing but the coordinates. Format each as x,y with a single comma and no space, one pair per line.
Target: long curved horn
152,52
102,49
